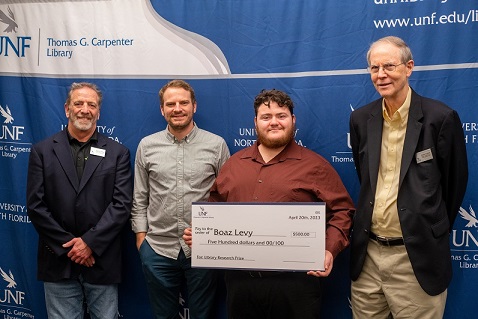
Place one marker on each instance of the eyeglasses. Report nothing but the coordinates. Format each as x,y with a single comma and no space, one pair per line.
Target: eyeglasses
386,67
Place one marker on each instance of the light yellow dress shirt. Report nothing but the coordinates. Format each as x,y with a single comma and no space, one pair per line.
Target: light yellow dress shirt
385,221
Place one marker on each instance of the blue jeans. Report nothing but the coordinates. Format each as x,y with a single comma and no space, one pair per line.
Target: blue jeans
64,299
164,278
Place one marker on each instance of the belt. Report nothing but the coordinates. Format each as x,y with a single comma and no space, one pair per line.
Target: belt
387,241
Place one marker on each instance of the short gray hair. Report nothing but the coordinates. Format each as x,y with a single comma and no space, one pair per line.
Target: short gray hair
405,52
79,85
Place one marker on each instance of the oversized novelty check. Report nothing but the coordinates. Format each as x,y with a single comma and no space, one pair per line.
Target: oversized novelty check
268,236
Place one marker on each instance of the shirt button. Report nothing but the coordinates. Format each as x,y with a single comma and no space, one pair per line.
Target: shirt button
260,181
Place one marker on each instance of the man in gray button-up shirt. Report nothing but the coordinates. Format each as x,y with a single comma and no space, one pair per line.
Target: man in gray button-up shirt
173,168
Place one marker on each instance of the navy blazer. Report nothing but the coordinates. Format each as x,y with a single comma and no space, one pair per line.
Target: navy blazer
95,208
430,192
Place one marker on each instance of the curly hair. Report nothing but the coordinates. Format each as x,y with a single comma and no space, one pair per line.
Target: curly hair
267,96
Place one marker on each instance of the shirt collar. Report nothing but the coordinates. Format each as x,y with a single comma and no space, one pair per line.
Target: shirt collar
188,138
292,150
71,139
401,113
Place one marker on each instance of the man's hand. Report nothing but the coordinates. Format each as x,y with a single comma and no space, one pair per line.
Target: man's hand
139,239
188,236
80,253
328,265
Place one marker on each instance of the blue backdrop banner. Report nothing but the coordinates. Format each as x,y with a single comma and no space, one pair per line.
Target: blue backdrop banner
228,50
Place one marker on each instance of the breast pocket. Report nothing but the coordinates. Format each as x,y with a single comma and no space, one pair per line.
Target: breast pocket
427,172
202,170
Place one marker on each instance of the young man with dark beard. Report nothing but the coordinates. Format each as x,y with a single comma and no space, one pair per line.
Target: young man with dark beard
276,169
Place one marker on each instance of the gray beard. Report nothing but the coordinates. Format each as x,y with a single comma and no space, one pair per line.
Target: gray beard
82,127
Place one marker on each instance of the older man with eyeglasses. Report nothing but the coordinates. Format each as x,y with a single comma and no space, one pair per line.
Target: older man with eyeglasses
410,157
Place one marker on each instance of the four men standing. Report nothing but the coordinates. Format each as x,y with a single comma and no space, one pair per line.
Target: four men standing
409,154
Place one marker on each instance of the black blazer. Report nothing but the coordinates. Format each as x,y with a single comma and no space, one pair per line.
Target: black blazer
430,193
95,208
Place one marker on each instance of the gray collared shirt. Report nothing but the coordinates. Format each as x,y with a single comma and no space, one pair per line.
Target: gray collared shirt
170,175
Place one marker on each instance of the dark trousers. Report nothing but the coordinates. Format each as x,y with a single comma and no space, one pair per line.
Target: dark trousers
164,278
272,295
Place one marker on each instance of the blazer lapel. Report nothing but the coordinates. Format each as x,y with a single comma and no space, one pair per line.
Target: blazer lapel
92,162
374,143
412,135
62,150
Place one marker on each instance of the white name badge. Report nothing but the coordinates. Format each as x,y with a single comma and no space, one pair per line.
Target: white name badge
269,236
424,155
97,151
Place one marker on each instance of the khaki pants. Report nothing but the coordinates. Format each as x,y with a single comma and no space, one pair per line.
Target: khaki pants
387,286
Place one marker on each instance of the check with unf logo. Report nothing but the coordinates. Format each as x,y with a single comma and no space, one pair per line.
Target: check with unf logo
268,236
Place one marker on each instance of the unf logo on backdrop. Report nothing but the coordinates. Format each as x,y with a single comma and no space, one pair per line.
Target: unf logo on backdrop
9,21
12,45
467,237
9,132
344,155
12,300
7,114
466,240
10,295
